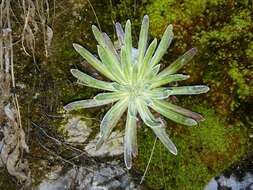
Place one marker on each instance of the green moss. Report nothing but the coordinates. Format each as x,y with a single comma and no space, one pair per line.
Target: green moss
249,50
222,31
204,151
241,77
181,13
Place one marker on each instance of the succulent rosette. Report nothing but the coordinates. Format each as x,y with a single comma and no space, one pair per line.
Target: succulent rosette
136,85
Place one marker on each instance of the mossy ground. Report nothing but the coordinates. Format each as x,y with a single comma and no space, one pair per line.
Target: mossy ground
203,152
222,31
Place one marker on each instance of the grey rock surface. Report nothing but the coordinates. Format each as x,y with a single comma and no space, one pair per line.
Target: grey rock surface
106,176
231,183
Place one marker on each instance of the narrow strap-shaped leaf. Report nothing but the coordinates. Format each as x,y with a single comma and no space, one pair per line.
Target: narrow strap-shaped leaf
174,116
162,135
92,82
159,93
143,38
159,81
163,45
124,66
92,60
130,139
146,115
153,72
110,53
109,62
128,46
148,55
179,63
188,90
134,74
110,120
109,96
110,45
157,126
99,36
180,110
120,33
90,103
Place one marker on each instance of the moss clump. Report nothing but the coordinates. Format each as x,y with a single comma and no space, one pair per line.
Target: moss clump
222,31
204,151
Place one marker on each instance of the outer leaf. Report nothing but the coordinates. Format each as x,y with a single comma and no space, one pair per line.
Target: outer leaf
110,120
180,110
92,82
120,33
110,96
188,90
111,54
128,46
130,140
146,115
124,65
90,103
159,81
99,36
109,61
147,58
92,60
143,38
157,126
153,72
110,45
179,63
162,109
162,135
159,93
163,45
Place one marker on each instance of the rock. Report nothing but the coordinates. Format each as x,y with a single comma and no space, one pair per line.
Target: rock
76,129
231,182
105,176
112,147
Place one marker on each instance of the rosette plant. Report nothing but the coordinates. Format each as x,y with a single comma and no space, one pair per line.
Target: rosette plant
136,85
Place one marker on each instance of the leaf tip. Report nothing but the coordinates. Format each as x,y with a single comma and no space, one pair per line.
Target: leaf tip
76,46
73,71
207,89
67,107
174,151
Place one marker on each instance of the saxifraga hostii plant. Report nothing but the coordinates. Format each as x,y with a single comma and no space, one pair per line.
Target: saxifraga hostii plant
136,85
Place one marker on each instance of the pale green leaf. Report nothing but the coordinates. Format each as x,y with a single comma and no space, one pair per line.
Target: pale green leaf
179,63
146,115
180,110
120,33
163,45
157,126
128,45
130,139
143,38
92,60
146,62
110,120
124,66
109,96
159,81
110,45
189,90
162,135
159,93
110,63
174,116
90,103
92,82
